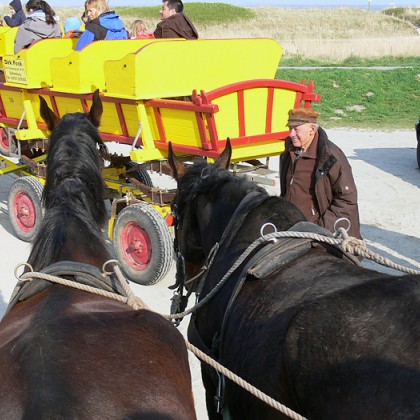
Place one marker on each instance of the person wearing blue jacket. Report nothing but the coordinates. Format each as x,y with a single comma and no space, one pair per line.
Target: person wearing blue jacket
17,15
102,24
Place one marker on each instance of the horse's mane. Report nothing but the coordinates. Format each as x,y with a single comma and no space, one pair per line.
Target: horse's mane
73,195
73,155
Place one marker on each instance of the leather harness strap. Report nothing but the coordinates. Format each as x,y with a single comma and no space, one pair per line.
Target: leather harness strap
83,273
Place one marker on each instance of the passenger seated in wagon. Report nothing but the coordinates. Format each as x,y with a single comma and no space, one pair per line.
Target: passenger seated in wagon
174,23
39,24
17,15
102,24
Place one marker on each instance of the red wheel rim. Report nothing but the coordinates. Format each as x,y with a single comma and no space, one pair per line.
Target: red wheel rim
136,246
4,139
24,211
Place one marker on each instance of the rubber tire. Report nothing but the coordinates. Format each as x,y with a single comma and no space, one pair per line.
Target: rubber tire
7,147
143,223
25,193
142,175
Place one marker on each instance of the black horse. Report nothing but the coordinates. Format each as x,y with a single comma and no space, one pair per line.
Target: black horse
72,354
322,335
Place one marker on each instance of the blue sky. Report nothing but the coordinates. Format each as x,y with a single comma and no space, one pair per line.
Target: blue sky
296,3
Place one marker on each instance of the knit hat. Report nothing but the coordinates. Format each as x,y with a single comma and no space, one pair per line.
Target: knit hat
299,116
71,24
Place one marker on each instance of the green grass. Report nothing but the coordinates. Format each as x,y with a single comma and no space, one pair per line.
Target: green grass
388,99
200,13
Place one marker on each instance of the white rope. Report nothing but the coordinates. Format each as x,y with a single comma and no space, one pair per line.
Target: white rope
133,301
244,384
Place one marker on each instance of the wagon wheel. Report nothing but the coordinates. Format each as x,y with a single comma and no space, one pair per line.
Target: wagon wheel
143,244
25,209
142,175
7,145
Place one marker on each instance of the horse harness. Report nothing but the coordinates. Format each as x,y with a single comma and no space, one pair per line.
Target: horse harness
86,274
264,261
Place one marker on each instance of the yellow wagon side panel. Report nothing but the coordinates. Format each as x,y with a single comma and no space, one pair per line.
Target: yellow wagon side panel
152,123
68,104
131,119
110,122
181,127
255,111
12,102
284,100
227,118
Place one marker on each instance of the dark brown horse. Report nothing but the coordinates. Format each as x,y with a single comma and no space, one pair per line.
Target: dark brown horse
326,337
71,354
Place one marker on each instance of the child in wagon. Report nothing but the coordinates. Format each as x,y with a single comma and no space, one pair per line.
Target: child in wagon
139,30
17,15
72,28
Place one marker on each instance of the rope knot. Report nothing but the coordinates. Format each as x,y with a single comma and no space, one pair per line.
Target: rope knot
353,245
136,303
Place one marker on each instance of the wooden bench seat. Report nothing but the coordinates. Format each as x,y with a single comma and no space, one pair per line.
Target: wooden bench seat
83,71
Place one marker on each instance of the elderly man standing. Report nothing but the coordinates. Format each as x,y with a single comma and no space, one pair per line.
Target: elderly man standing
174,23
316,176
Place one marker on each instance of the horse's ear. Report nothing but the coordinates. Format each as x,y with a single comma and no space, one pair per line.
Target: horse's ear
47,114
224,158
96,109
177,167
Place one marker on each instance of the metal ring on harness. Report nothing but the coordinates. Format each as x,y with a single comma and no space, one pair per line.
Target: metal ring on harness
340,220
264,236
203,172
23,265
108,273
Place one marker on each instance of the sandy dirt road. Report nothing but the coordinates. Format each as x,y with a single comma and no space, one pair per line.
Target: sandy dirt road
388,180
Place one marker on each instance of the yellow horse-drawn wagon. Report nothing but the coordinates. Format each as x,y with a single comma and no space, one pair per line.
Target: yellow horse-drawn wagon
194,94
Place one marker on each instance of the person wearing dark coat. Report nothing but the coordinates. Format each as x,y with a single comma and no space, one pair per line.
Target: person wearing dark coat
316,176
17,15
174,23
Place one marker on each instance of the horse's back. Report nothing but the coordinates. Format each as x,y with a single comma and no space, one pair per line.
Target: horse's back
361,348
339,333
91,357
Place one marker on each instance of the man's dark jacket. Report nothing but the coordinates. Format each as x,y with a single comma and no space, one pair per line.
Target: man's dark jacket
335,190
176,26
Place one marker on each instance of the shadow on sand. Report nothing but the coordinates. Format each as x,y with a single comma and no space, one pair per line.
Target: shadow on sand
400,249
400,162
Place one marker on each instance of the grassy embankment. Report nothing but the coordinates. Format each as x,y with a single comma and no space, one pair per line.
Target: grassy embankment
323,37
